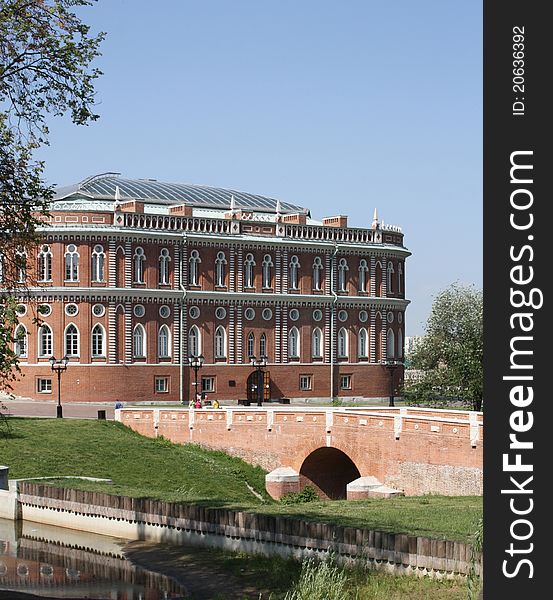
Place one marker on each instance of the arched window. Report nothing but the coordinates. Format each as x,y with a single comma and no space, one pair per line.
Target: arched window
399,344
342,274
71,340
390,344
21,265
399,278
20,341
342,343
71,263
194,270
251,345
263,345
317,268
139,342
249,264
138,265
220,342
45,264
363,269
98,339
98,263
363,343
294,272
164,342
194,341
389,280
294,343
164,260
220,263
317,343
45,346
266,271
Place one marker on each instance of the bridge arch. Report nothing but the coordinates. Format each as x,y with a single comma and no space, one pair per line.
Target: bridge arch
328,470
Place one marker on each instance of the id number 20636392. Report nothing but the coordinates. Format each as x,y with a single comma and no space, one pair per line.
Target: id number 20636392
518,71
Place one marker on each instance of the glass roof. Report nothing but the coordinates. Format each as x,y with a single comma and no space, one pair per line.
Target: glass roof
157,192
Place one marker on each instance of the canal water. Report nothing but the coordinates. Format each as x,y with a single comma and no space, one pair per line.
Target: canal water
50,562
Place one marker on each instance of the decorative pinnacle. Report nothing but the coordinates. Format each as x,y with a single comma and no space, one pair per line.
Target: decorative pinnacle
376,223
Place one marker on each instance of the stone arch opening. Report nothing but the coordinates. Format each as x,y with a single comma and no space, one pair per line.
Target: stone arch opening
328,470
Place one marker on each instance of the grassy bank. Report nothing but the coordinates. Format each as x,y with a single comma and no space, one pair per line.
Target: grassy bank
144,467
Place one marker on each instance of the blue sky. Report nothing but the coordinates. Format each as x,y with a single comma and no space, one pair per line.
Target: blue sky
338,106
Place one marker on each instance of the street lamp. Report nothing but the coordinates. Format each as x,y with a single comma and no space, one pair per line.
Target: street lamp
59,365
392,365
259,364
196,362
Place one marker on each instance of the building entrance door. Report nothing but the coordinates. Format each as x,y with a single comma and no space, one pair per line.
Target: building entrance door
258,386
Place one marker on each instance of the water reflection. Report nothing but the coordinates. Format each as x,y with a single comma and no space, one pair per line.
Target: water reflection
60,563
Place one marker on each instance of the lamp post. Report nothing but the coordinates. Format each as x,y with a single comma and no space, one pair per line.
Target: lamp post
392,365
59,365
259,364
196,362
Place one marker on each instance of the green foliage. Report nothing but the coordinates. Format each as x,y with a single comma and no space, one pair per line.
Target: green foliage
451,352
308,494
45,57
320,581
474,582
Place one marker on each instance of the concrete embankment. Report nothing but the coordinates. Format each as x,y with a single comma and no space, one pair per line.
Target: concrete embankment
233,530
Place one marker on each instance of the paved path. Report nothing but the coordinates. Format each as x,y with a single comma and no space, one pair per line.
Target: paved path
36,408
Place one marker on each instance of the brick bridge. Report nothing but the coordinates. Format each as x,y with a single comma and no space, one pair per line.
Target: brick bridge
343,452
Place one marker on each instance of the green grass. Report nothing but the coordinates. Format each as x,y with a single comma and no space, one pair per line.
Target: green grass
159,469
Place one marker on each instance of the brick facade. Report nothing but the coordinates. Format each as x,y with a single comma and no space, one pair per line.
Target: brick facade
131,286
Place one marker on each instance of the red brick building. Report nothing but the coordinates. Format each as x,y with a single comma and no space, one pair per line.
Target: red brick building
134,276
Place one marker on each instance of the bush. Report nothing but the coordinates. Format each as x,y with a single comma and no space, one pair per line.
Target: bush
308,494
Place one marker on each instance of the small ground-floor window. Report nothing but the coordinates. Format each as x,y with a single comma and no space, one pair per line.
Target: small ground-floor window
305,382
44,386
161,385
208,384
345,382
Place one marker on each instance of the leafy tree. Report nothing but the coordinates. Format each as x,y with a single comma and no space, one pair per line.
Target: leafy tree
451,352
45,70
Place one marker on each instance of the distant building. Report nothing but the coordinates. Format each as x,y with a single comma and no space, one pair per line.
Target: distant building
411,342
135,276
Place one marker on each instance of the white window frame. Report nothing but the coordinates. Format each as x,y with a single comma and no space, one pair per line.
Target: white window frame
343,268
390,344
306,383
249,265
138,259
317,346
294,273
71,263
139,335
20,345
194,341
220,263
294,343
208,389
164,342
317,269
349,379
343,341
266,275
164,260
98,265
363,270
194,268
45,341
220,342
72,346
93,342
363,343
161,389
47,381
45,263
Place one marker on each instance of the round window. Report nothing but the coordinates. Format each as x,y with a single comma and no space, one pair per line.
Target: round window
267,314
249,314
98,310
164,311
220,312
390,317
317,315
363,316
21,309
139,310
71,248
44,310
71,310
194,312
342,315
294,314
